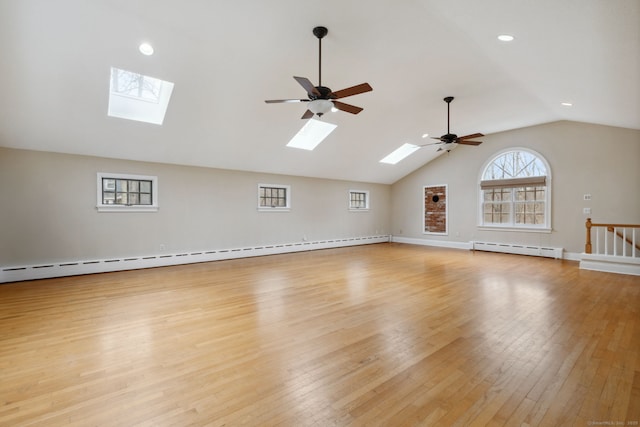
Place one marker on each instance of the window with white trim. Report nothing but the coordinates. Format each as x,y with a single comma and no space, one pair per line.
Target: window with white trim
358,200
126,193
274,197
515,191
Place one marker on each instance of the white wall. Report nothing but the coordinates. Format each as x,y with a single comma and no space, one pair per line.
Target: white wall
584,158
49,214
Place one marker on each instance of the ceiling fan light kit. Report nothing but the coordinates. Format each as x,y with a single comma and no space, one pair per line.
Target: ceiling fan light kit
320,106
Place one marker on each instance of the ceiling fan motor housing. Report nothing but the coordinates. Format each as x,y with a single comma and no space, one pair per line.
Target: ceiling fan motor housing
449,138
325,93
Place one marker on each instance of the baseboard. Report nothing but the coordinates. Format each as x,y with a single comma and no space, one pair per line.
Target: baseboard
572,256
611,264
518,249
74,268
557,253
429,242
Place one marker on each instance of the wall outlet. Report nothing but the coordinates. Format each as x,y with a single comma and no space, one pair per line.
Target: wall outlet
586,211
162,247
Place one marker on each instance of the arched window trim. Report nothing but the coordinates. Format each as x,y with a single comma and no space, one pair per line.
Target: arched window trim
545,228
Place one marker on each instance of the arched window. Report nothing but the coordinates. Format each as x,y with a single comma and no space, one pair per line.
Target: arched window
515,191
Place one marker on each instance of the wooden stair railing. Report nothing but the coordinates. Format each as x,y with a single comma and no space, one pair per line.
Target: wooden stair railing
612,229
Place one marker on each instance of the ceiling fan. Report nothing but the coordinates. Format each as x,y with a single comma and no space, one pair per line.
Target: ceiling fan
452,138
321,99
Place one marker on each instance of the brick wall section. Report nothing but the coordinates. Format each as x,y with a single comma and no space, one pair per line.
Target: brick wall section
435,212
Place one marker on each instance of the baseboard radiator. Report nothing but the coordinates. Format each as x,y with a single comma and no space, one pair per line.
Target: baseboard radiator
74,268
511,248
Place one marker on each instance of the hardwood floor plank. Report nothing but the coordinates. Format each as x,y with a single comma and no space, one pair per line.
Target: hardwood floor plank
386,334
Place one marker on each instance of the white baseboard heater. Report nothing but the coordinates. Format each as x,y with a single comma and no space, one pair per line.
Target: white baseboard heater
73,268
513,248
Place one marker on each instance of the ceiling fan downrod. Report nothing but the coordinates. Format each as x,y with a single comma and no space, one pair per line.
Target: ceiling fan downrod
448,100
320,32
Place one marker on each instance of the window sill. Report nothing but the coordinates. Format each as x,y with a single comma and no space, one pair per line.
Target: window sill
358,209
122,208
516,229
274,209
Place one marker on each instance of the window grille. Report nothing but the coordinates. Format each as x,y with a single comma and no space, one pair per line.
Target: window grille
358,199
273,196
126,192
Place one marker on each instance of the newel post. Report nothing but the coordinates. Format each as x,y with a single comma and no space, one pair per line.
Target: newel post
587,246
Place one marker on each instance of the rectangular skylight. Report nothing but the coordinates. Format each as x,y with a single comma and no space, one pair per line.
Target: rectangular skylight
311,134
400,153
138,97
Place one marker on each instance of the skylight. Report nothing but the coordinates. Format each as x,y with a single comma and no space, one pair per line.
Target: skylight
400,153
311,134
138,97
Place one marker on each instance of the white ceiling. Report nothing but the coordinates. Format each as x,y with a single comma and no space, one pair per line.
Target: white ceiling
227,57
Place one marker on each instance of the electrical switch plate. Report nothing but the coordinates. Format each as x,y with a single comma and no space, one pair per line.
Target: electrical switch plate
587,197
586,211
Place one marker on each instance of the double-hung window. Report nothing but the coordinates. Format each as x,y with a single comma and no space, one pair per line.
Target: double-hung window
126,193
515,191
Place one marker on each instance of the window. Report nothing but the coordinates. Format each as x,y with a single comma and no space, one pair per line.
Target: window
358,200
132,193
274,197
515,191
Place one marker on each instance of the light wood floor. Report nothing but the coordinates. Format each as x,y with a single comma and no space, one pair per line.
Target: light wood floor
385,334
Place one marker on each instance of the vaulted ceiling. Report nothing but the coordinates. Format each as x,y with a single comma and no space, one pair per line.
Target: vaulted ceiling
227,57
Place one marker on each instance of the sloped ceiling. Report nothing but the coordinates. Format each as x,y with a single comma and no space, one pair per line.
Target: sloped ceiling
227,57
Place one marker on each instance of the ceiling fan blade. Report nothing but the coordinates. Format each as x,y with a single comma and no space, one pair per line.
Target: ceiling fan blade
347,107
473,135
350,91
307,85
278,101
307,115
467,142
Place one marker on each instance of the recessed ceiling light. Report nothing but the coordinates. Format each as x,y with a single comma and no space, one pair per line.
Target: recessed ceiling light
566,104
146,49
505,38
